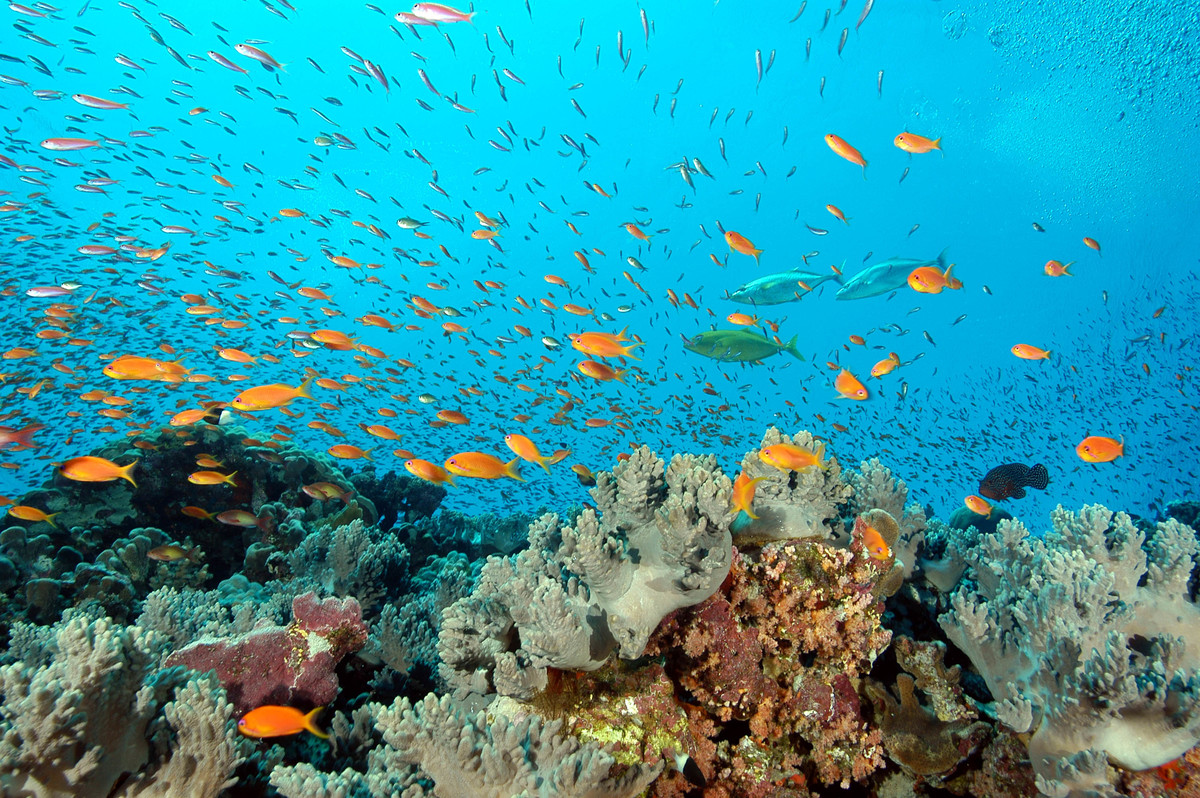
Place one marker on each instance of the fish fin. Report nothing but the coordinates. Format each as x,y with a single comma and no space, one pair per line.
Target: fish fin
749,514
510,469
941,259
839,274
303,390
937,145
228,479
791,347
310,723
50,519
1068,266
542,462
126,473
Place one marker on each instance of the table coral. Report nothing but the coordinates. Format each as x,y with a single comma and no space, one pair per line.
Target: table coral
283,665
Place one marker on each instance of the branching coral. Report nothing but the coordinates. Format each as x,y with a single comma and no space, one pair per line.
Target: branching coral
792,504
1089,639
658,540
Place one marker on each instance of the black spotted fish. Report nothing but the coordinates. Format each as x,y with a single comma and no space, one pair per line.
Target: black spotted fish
1009,481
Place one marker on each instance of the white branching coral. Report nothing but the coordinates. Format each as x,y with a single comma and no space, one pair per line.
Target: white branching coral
1088,638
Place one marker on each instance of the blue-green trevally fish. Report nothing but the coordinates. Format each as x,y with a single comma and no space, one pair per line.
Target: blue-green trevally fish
775,289
740,346
885,276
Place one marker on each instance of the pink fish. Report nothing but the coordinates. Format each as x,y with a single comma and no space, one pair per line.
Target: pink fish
436,12
48,291
225,62
98,102
261,56
64,144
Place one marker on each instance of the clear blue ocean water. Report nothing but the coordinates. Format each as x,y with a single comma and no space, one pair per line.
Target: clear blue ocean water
1080,118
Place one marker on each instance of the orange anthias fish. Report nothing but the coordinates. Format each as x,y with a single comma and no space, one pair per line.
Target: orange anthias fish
527,450
22,438
743,493
173,553
917,145
931,280
601,344
837,212
1057,269
265,397
480,465
212,478
1092,243
277,721
96,469
599,371
839,145
1028,352
1097,449
849,386
739,243
430,472
874,543
886,366
789,457
26,513
584,474
978,505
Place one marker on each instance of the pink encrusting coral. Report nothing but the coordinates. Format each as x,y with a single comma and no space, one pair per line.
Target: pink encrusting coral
781,648
291,664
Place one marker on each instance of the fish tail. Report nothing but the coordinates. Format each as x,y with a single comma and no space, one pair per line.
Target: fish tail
510,469
937,145
619,375
228,479
820,454
310,723
791,348
303,390
450,478
1039,477
50,520
1068,266
749,513
626,351
126,473
864,167
839,276
542,461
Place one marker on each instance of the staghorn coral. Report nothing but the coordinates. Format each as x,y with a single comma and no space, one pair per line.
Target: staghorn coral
658,540
283,665
792,504
781,649
1088,638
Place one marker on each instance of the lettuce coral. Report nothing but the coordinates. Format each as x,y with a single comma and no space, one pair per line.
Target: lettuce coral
1089,639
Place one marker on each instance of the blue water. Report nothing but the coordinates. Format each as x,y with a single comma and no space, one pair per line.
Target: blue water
1083,120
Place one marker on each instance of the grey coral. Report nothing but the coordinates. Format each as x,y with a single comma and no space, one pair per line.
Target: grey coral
1089,639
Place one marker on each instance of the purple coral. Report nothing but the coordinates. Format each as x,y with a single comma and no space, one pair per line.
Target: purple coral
291,664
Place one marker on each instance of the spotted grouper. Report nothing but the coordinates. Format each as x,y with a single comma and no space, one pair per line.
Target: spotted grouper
1009,481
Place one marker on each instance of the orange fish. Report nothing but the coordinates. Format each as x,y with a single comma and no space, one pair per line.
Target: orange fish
601,344
741,319
1098,449
931,280
839,145
96,469
585,475
265,397
849,386
423,469
1054,268
914,144
789,457
345,451
636,232
599,371
245,519
172,553
837,212
739,243
480,465
452,417
277,721
1093,244
324,491
198,512
211,478
1027,352
26,513
526,449
978,505
886,366
874,543
743,493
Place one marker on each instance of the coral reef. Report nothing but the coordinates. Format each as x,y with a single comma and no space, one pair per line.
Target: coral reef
283,665
778,653
658,540
792,504
1089,639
